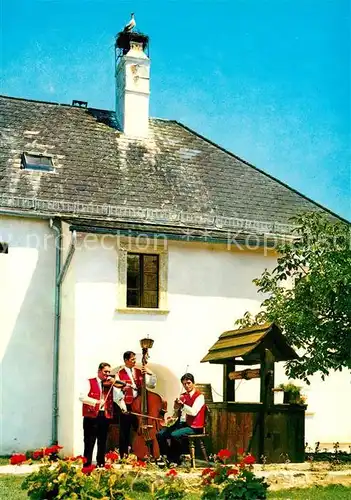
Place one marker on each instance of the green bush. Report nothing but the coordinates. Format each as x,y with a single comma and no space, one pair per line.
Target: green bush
227,482
245,487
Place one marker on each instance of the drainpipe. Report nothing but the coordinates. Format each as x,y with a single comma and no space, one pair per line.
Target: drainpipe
59,277
57,311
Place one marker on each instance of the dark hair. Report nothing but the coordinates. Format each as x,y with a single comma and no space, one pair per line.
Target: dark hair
127,355
103,365
188,376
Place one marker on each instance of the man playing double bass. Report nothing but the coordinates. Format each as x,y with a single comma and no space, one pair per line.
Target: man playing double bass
133,377
192,408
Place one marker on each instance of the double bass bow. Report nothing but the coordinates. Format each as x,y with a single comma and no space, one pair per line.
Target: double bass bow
150,407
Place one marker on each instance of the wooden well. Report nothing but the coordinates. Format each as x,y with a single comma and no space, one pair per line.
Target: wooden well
272,433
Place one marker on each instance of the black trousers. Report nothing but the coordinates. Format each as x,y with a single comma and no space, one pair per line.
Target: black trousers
95,429
127,423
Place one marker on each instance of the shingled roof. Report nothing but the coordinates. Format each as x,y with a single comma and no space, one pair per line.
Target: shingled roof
175,177
249,344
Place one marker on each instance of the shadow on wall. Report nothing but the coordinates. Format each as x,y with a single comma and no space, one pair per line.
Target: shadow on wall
27,340
168,385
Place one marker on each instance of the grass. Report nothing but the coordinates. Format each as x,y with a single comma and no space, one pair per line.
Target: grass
331,492
10,488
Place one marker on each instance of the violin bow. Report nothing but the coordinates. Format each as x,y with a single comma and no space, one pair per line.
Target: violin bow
114,375
146,416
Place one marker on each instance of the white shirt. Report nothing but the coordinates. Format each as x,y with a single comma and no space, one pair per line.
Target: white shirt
150,380
192,410
117,395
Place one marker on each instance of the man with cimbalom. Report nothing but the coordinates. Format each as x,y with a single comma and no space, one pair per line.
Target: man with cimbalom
97,399
192,409
133,377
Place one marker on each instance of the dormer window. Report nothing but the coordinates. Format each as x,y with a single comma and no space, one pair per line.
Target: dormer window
37,162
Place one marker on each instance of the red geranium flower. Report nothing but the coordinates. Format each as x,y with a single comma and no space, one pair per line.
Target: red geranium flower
89,469
224,454
139,463
206,471
112,455
78,458
172,473
249,460
17,458
231,472
108,466
37,454
52,449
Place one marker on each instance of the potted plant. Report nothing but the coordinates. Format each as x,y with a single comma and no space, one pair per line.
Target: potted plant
292,393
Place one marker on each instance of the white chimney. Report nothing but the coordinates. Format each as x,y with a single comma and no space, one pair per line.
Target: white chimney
132,84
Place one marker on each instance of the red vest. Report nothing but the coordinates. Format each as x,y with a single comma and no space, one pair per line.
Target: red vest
95,392
138,379
198,421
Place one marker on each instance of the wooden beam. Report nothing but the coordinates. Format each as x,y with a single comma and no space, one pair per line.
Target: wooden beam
247,374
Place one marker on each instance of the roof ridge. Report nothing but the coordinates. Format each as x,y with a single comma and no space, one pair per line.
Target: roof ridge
13,98
222,148
34,100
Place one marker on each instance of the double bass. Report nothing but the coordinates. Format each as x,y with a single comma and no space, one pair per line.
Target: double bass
151,409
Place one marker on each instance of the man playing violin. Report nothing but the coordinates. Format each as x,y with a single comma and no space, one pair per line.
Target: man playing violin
133,377
97,396
191,420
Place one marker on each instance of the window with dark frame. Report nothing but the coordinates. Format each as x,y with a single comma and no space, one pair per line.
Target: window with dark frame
37,162
142,280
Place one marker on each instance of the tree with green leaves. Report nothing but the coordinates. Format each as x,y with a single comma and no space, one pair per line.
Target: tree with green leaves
308,294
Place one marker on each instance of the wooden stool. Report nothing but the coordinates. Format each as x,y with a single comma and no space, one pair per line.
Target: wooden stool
192,438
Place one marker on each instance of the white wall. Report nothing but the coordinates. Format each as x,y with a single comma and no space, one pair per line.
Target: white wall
208,288
26,341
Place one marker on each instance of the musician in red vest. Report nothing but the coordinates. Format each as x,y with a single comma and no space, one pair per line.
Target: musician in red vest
97,402
192,408
133,377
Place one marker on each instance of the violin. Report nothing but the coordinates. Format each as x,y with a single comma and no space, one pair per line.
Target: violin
112,382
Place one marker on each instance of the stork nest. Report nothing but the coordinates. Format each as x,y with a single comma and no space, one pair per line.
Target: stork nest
124,38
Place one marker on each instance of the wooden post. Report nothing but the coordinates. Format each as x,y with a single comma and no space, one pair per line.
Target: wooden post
228,385
266,395
267,378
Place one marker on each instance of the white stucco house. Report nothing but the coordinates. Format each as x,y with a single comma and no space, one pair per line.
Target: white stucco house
114,226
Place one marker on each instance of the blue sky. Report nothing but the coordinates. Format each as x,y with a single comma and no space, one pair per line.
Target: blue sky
267,79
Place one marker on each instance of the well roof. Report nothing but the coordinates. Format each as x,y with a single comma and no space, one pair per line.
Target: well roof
249,344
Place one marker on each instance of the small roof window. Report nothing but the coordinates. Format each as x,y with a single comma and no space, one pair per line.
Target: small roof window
37,162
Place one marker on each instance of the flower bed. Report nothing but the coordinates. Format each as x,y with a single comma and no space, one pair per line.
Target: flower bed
68,478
